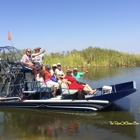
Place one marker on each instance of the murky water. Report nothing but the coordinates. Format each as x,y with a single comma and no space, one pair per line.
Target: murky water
118,121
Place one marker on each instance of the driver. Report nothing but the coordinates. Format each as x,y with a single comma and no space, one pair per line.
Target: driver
27,60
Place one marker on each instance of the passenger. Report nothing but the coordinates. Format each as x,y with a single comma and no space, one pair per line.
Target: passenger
60,78
54,77
54,66
77,75
48,81
38,59
58,69
73,84
27,60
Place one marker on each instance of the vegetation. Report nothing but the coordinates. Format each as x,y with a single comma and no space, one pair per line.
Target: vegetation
93,57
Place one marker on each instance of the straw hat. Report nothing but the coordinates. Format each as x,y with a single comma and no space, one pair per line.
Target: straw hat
69,70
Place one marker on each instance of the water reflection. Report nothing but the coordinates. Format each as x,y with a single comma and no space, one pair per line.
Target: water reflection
99,73
35,124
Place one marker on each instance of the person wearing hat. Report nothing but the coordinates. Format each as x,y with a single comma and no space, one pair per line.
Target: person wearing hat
27,61
38,59
60,78
77,75
54,66
58,70
73,84
48,80
54,78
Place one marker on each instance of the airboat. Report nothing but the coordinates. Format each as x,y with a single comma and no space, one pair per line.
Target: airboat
18,89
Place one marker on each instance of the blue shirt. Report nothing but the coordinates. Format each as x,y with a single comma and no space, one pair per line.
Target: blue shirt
78,76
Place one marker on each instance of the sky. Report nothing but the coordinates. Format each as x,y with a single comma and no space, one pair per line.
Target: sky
66,25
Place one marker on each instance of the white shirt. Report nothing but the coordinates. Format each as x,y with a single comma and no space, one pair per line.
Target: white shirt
59,72
38,59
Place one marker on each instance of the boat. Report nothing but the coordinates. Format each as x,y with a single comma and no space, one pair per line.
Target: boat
18,89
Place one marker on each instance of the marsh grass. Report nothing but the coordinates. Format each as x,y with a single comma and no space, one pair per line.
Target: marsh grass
93,57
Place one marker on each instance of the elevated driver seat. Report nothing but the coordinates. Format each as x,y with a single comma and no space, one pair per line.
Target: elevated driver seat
27,75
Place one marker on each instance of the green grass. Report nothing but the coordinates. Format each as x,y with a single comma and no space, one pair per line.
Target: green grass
93,57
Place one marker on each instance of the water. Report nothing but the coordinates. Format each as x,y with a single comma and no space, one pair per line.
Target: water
27,124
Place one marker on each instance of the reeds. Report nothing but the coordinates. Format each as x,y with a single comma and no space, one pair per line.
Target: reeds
93,57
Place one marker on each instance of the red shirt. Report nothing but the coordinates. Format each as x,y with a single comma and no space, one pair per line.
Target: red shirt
47,75
74,84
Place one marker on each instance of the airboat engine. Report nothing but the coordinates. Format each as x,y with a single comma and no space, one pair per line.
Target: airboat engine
10,71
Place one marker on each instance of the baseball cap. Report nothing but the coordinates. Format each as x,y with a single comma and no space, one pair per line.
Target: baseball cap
58,64
54,65
48,66
69,70
37,48
75,69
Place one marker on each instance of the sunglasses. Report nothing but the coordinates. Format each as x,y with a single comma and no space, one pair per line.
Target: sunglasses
29,51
